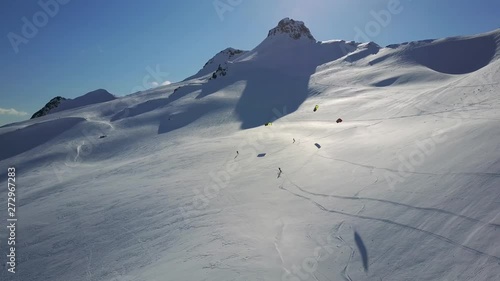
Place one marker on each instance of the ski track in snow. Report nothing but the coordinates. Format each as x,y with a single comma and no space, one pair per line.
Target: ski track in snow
437,236
410,172
345,271
436,210
78,149
277,240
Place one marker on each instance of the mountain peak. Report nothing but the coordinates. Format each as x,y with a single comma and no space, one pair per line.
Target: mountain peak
294,29
53,103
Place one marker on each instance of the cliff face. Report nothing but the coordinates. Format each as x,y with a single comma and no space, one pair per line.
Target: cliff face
294,29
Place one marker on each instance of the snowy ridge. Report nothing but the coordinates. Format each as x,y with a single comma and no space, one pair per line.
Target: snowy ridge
151,185
93,97
222,58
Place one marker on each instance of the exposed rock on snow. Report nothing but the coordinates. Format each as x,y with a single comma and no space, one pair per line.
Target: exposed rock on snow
292,28
220,71
53,103
222,58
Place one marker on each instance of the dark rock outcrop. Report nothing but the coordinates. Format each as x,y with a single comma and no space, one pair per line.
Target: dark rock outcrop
295,29
53,103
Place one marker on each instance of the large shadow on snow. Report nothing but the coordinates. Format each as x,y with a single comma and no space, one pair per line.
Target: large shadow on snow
172,122
457,56
27,138
277,79
268,95
151,105
270,92
362,250
276,84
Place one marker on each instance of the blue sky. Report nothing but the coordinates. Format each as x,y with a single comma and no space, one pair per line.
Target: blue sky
85,45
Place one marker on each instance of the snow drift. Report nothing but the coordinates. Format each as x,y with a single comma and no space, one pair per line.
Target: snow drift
459,55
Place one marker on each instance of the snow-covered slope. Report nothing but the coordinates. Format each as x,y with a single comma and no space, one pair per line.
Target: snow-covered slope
183,185
220,59
93,97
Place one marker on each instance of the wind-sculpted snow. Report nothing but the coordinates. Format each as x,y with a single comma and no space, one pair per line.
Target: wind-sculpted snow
364,51
455,55
153,104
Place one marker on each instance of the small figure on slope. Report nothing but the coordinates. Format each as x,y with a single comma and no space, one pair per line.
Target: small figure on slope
279,173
